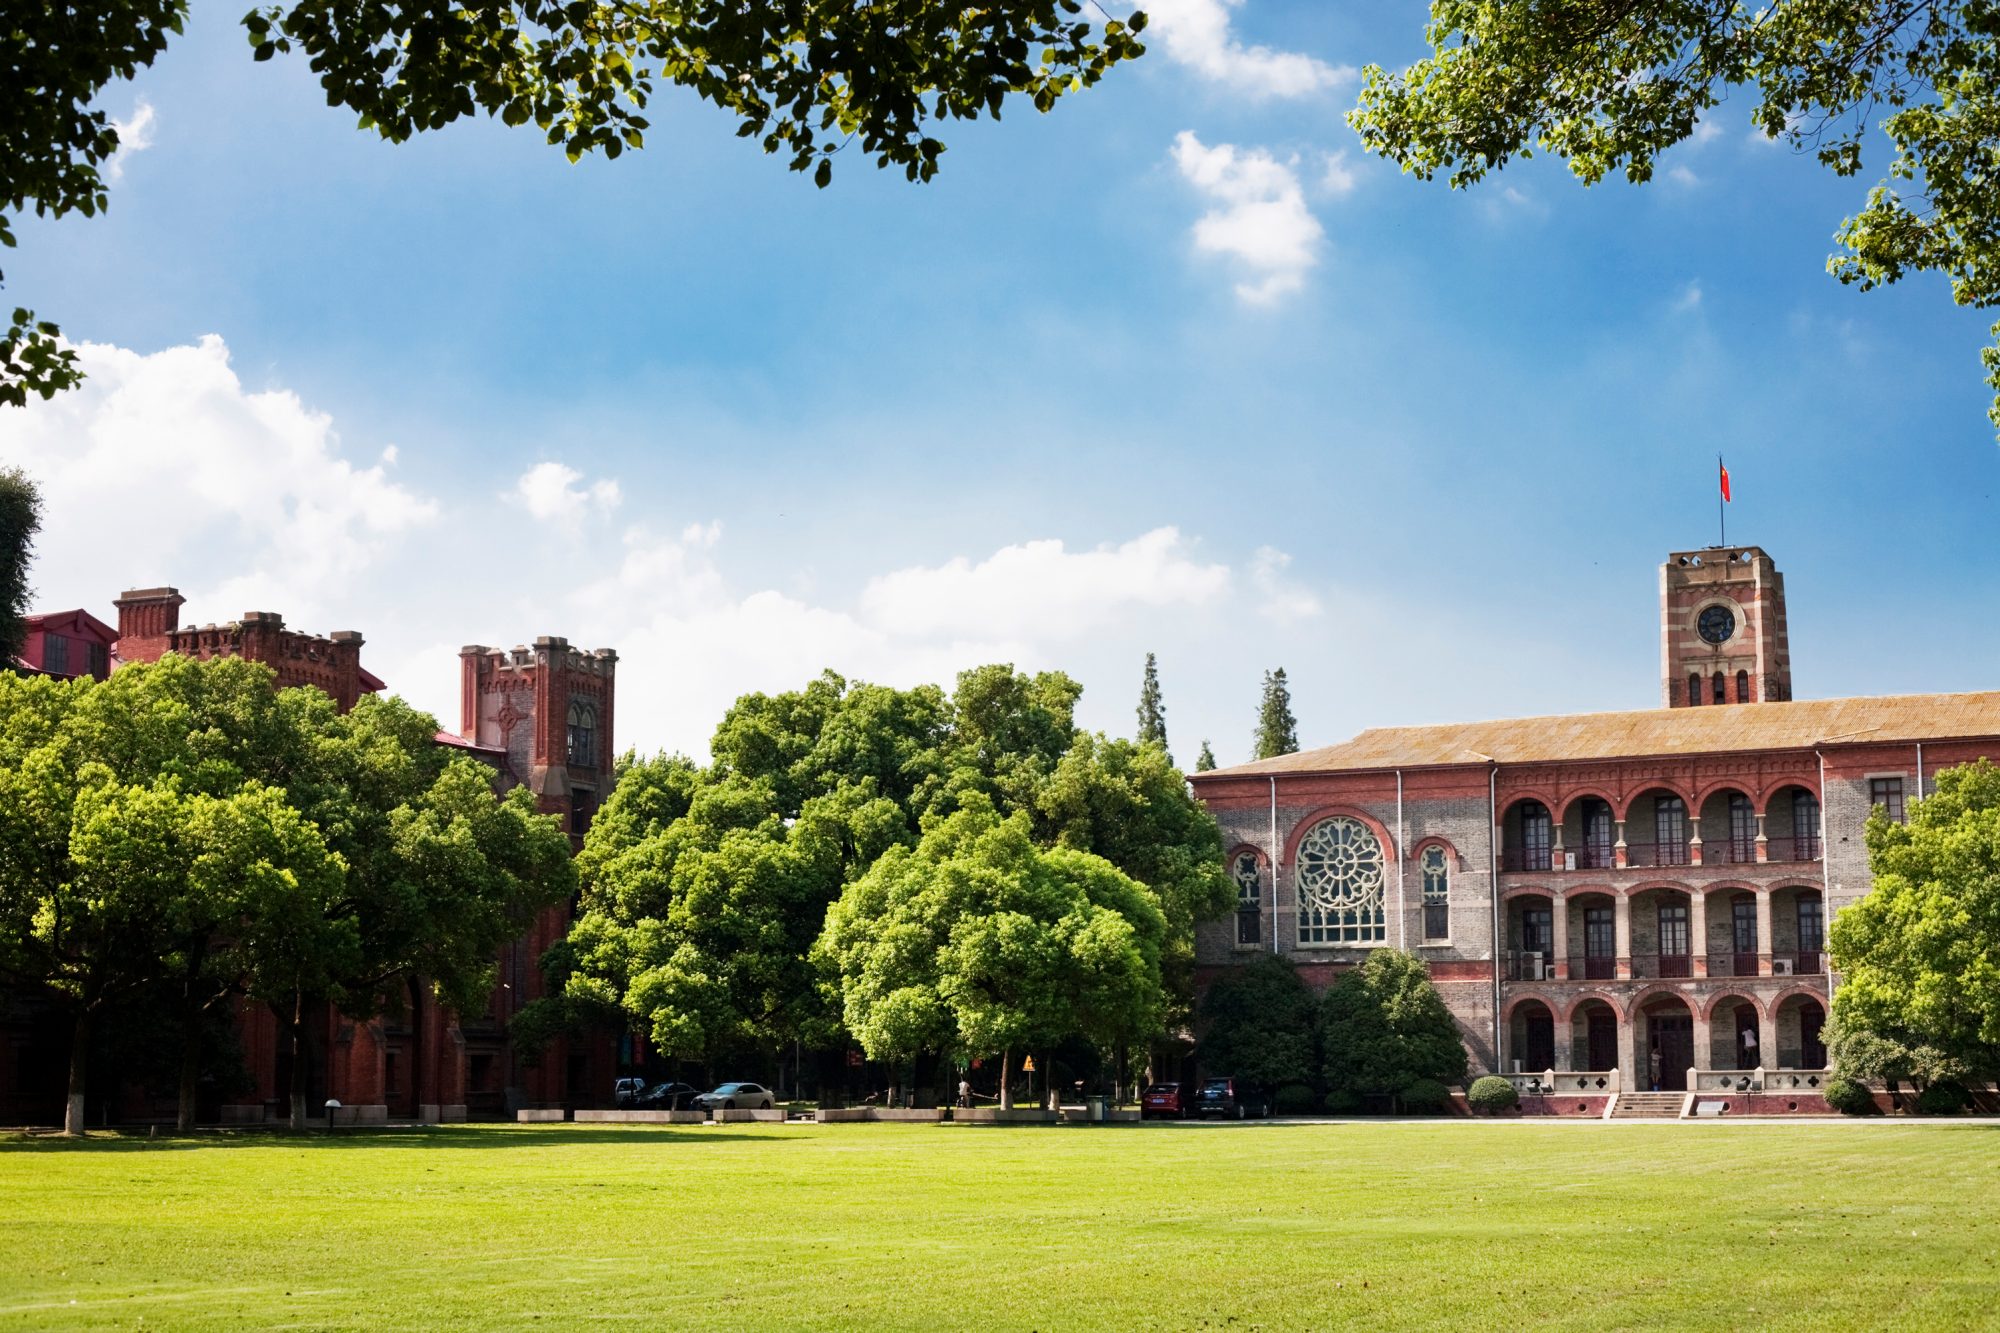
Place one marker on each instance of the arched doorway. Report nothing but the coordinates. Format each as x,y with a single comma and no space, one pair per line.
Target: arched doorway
1734,1034
1800,1044
1531,1036
1665,1044
1593,1029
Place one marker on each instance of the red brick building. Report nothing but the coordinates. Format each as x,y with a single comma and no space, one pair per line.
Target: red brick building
540,716
1609,901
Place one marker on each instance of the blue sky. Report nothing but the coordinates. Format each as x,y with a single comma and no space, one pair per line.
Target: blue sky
1174,368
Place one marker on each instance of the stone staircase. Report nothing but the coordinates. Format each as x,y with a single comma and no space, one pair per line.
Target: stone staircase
1648,1106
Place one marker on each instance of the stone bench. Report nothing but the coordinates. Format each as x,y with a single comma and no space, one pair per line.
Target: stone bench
993,1115
431,1114
745,1114
639,1117
539,1115
358,1115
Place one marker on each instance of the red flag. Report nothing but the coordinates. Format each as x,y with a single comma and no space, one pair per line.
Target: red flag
1725,479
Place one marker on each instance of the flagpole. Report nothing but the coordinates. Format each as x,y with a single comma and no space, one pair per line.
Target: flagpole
1721,505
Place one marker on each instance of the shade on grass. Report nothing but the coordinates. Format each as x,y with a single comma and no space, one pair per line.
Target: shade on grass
1475,1225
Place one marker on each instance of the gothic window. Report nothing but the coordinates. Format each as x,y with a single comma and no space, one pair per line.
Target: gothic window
1719,688
1743,687
1249,877
582,736
1436,876
1339,871
1694,689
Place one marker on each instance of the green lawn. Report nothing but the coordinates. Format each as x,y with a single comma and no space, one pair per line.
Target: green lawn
1471,1225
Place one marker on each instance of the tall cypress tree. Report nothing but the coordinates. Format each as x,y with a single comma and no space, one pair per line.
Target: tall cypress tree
1204,761
1152,712
1277,729
20,520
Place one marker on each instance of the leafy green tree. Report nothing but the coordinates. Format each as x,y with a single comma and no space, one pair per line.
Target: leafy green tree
1205,761
1277,730
1608,85
1383,1026
1152,712
20,520
1260,1022
1919,957
979,942
805,81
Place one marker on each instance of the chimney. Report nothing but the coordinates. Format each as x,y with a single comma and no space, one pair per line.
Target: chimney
147,619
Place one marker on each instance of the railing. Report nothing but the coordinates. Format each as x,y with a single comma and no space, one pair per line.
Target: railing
1593,1082
1592,966
1656,854
1799,963
1529,965
1524,858
1794,849
1789,1078
1730,851
1732,964
1596,858
1662,965
1249,926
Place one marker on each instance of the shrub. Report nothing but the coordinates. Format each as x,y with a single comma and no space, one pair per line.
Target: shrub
1941,1099
1295,1099
1342,1102
1492,1094
1426,1095
1848,1097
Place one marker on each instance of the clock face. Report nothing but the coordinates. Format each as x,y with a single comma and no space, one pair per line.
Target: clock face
1717,623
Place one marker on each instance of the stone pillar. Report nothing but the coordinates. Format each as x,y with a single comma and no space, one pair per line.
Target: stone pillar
1697,937
1631,1069
1559,913
1763,843
1763,932
1556,851
1694,847
1621,918
1703,1059
1618,847
1767,1039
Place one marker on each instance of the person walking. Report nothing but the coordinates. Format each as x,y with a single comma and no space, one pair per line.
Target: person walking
1653,1067
965,1093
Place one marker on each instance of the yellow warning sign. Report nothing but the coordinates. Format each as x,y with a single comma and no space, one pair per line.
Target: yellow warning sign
1028,1065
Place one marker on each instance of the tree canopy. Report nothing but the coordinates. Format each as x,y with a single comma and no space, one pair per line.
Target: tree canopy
1152,711
1919,956
1384,1027
706,889
1608,85
805,80
1277,730
20,520
1260,1022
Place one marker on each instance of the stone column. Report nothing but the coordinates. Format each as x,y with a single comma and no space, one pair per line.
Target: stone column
1763,932
1631,1071
1763,843
1703,1038
1621,917
1560,914
1767,1039
1618,847
1697,937
1694,847
1556,850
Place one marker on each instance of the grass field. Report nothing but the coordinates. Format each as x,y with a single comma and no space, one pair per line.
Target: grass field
1483,1226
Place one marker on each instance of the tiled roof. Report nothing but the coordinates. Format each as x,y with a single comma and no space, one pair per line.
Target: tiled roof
1714,729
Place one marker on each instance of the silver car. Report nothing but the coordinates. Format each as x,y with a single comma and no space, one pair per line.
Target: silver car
731,1096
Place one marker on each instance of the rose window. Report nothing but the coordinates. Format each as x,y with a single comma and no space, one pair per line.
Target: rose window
1339,873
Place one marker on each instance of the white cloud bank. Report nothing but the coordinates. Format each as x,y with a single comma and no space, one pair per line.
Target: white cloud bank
1196,34
135,135
1259,217
167,469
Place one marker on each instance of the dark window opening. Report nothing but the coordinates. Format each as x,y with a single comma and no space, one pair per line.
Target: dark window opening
1694,689
1719,688
1887,793
582,736
1743,687
55,654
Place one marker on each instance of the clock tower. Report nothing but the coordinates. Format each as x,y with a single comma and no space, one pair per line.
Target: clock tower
1722,628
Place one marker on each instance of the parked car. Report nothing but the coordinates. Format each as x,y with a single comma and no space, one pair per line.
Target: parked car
737,1096
667,1097
627,1091
1232,1097
1162,1099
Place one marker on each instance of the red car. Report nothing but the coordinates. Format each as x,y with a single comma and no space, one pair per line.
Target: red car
1163,1099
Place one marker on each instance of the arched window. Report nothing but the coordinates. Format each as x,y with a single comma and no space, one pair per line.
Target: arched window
1249,877
1339,872
1743,687
1694,690
1436,875
1719,695
582,736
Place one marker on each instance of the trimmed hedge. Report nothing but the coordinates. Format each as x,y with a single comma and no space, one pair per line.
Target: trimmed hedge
1426,1095
1295,1099
1941,1099
1342,1102
1848,1097
1492,1094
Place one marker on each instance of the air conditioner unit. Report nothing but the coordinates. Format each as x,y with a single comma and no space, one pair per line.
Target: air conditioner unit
1537,968
1781,967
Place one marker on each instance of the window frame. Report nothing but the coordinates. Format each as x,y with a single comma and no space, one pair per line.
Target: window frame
1324,924
1434,888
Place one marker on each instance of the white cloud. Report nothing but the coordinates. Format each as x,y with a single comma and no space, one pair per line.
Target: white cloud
1260,218
1689,299
1509,202
1195,33
167,469
163,462
1278,597
1705,129
1681,176
134,136
1338,178
548,491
